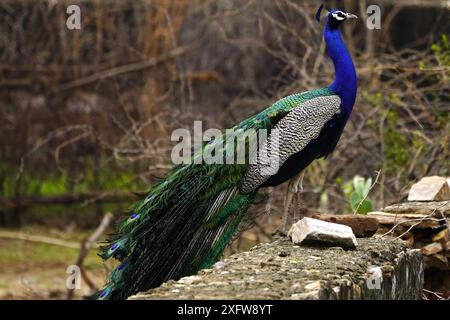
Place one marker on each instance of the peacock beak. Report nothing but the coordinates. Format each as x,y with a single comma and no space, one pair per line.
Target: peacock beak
351,16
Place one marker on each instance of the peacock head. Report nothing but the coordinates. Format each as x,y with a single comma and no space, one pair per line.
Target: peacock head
334,17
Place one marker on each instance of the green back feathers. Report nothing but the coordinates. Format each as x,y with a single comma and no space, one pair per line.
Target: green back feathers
264,119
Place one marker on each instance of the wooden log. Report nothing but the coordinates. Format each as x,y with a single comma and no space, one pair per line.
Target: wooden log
39,239
378,269
362,226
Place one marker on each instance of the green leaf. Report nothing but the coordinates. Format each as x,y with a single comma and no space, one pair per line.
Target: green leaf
367,186
365,207
355,199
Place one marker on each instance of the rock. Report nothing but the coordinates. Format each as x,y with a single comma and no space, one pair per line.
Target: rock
309,230
314,286
437,209
409,241
404,221
419,215
430,189
442,235
438,261
189,280
379,269
362,226
432,248
423,225
219,265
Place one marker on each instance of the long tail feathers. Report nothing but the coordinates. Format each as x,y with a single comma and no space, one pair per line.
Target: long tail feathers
182,226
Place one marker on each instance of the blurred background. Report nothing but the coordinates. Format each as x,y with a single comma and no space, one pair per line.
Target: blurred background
86,115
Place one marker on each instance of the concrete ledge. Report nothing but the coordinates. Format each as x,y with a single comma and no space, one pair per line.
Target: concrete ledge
377,269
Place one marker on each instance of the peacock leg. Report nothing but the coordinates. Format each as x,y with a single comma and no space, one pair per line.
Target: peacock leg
295,185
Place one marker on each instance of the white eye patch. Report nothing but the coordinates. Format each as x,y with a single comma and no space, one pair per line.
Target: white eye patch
338,15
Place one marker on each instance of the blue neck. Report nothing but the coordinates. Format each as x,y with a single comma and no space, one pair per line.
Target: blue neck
345,83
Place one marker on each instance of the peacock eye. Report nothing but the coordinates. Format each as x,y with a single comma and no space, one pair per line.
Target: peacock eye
339,15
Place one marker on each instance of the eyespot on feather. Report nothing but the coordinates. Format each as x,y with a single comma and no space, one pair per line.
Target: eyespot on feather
105,293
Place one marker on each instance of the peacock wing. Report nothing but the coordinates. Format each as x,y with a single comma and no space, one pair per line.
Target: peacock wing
290,135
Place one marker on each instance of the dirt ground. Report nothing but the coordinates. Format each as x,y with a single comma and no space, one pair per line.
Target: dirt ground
30,270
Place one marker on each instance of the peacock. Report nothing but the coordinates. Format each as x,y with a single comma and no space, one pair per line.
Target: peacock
186,220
